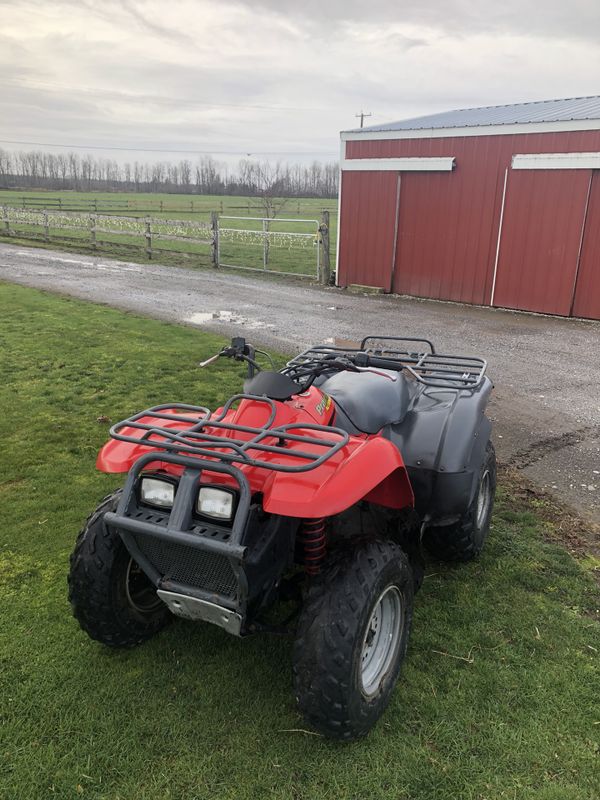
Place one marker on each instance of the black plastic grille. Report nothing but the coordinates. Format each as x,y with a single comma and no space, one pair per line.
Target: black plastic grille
188,565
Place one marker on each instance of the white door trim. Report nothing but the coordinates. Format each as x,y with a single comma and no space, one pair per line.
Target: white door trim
499,237
417,164
556,161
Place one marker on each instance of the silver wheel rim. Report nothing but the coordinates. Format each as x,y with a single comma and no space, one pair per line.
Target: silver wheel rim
381,641
144,599
483,498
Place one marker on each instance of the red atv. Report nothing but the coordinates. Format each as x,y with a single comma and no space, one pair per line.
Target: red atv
318,487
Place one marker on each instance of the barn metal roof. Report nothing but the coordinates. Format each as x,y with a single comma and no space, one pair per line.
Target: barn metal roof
573,108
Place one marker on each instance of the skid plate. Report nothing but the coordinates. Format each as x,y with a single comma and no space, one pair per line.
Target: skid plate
198,610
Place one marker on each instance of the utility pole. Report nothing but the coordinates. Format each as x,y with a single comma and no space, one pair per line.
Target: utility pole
362,116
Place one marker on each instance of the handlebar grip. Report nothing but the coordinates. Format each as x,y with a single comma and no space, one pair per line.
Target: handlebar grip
368,360
210,360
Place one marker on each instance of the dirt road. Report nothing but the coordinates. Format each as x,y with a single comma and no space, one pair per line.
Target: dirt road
546,406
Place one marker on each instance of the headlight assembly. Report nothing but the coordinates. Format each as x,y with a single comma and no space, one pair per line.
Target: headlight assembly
156,492
215,503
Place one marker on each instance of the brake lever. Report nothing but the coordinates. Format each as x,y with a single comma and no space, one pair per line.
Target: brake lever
342,364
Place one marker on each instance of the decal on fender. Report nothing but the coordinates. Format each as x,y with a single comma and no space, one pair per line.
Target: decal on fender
324,404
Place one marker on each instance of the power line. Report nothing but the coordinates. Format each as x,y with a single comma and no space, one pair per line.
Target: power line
167,150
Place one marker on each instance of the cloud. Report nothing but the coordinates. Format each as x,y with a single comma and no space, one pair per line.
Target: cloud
552,18
283,77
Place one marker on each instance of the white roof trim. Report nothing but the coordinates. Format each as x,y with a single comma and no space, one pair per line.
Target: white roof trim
556,161
481,130
441,164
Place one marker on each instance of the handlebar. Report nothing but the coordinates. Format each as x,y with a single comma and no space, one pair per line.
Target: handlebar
239,350
307,371
429,367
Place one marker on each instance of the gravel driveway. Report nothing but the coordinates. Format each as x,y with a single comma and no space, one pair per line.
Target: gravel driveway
546,406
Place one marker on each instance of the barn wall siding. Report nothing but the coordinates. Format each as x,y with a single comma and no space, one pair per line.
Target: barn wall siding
448,222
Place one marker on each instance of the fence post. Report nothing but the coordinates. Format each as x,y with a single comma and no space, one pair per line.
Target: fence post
214,244
265,227
93,220
148,236
46,226
325,264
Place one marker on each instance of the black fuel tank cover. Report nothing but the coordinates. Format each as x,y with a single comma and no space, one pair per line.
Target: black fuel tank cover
273,385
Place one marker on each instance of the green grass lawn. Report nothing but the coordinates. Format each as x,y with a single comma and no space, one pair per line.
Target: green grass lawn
498,697
291,254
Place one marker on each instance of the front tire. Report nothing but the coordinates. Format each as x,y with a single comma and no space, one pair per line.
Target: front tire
352,638
464,540
112,599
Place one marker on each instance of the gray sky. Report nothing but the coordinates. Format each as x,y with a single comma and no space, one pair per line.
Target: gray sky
274,79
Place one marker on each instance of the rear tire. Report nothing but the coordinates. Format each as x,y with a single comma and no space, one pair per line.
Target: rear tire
112,599
464,540
352,638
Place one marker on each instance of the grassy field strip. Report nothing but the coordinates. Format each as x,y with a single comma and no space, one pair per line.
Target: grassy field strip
160,202
498,699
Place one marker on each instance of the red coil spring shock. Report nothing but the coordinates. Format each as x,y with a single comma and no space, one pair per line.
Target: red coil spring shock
314,542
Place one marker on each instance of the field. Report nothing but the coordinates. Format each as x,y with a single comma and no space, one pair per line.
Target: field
498,698
243,246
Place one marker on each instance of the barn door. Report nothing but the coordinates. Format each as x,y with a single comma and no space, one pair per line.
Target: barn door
368,228
587,290
541,238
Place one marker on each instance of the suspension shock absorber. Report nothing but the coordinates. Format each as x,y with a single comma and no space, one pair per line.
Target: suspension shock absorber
314,544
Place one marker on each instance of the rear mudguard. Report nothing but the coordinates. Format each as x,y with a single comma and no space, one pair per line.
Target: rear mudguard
368,468
442,439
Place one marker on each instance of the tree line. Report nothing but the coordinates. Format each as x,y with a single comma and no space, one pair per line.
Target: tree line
34,169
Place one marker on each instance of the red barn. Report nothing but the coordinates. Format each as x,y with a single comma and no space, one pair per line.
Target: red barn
496,206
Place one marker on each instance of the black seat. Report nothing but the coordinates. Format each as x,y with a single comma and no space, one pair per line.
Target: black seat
369,400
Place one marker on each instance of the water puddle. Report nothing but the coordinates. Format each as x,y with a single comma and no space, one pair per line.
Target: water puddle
228,317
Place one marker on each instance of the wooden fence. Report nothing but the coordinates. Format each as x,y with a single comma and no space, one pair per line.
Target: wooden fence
156,237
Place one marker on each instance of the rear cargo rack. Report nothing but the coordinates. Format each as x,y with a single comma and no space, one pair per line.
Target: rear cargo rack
427,367
186,434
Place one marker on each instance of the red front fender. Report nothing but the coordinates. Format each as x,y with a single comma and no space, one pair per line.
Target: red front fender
373,471
115,456
368,468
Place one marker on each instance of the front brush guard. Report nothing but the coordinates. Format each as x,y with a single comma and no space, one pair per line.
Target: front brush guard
176,527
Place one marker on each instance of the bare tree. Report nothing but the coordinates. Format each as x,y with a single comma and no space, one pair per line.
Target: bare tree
271,184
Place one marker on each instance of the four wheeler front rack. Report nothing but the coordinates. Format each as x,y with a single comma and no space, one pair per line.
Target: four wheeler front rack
186,434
